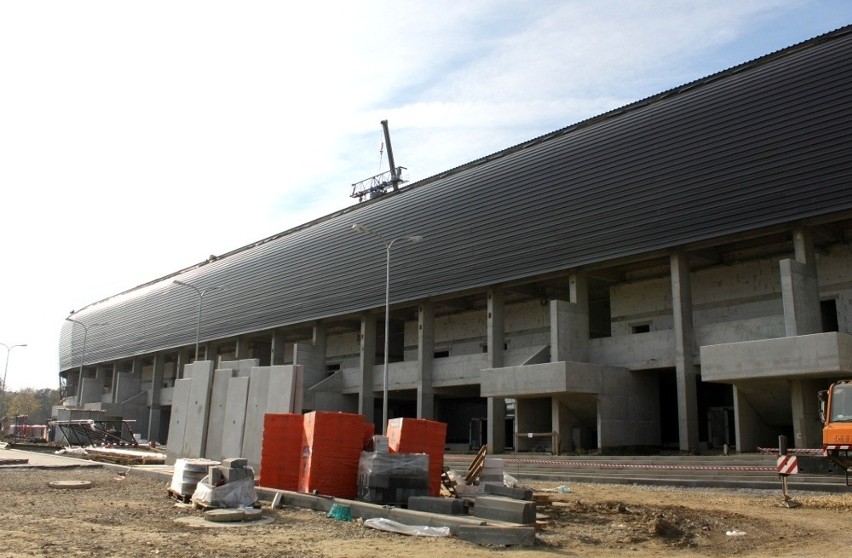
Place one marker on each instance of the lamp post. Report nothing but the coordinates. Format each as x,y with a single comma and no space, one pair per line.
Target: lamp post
200,293
5,371
83,354
387,244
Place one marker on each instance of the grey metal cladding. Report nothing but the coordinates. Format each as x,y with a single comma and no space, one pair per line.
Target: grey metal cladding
765,143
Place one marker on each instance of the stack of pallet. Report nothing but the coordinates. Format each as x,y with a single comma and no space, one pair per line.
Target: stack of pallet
392,478
281,451
410,435
315,452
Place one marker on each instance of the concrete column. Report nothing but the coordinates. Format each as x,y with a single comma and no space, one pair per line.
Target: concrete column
751,430
156,412
425,358
800,287
311,356
182,360
800,296
367,362
114,395
278,347
569,323
807,428
685,369
496,340
242,349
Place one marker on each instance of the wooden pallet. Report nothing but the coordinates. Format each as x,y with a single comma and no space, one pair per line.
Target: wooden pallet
448,486
182,498
476,466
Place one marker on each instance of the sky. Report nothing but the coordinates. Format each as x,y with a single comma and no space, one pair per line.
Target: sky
139,138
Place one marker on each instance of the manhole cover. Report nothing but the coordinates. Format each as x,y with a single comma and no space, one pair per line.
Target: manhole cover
70,484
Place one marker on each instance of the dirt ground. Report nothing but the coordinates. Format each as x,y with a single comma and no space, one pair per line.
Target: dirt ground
130,515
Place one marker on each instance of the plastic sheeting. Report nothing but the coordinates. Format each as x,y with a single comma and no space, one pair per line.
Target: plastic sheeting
238,494
384,524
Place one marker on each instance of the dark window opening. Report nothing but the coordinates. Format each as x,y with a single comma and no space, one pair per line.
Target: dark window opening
828,310
441,354
640,328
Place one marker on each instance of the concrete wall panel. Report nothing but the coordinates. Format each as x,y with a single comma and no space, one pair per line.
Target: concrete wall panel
218,402
235,417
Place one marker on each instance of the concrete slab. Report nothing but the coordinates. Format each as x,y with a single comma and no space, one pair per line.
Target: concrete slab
216,422
256,405
235,413
177,422
198,408
242,366
282,384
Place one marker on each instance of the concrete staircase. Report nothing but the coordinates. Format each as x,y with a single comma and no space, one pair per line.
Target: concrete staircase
752,471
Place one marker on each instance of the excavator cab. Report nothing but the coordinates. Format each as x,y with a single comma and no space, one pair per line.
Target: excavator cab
836,412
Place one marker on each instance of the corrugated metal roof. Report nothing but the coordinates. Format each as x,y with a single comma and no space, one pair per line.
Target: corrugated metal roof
765,143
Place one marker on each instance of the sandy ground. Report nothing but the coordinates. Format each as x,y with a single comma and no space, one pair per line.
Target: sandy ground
132,516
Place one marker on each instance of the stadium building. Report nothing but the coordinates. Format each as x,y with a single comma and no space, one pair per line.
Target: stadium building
676,273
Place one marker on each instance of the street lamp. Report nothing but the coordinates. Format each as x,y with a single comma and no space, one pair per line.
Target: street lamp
387,244
83,355
200,293
5,371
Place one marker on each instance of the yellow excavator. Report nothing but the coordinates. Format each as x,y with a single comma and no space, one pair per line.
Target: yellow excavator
835,410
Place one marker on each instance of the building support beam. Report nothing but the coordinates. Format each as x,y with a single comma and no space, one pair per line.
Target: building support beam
685,369
496,340
278,348
800,296
311,356
425,360
367,362
156,413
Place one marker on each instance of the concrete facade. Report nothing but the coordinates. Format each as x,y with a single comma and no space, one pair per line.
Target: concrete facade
688,343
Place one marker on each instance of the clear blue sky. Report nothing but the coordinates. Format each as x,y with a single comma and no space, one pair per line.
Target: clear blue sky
139,138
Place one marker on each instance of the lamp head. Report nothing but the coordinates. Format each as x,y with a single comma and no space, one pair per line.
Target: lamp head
415,238
360,228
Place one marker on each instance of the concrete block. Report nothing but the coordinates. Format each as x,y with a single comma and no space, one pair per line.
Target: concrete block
436,504
234,463
501,508
509,492
234,475
214,475
516,536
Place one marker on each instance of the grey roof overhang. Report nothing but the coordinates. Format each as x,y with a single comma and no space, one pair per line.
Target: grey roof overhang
762,144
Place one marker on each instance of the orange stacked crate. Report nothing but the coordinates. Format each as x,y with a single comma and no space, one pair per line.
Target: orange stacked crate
331,448
410,435
281,451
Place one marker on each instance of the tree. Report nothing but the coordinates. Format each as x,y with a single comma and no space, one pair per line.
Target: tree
37,405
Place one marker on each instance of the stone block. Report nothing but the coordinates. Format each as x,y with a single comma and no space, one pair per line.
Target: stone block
501,508
235,463
509,492
518,536
436,504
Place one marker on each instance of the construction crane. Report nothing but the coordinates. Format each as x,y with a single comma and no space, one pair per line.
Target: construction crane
379,184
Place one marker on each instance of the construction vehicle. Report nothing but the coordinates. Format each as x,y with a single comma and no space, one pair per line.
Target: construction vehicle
835,411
